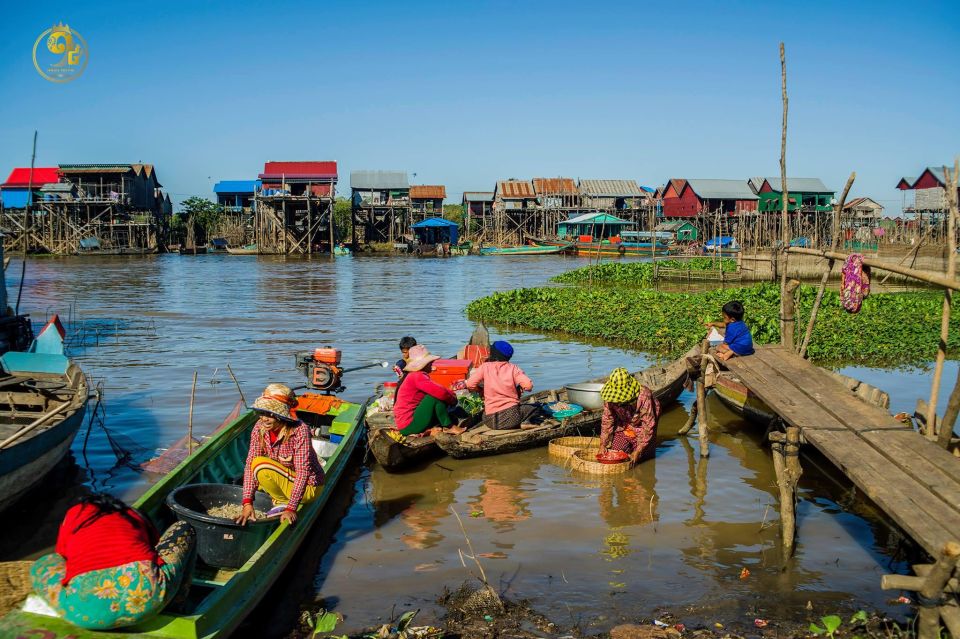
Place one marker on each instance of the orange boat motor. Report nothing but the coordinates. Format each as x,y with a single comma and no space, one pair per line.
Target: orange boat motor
322,369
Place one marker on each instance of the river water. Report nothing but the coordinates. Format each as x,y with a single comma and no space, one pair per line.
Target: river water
676,532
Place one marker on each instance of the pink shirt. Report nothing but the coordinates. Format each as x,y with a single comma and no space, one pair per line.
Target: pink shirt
499,381
412,390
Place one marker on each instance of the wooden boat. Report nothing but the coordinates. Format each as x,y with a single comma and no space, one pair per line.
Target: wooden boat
665,382
45,401
737,397
530,249
610,249
249,249
219,598
341,250
461,249
396,454
193,250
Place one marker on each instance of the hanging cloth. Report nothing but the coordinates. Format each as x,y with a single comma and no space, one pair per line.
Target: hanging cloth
855,284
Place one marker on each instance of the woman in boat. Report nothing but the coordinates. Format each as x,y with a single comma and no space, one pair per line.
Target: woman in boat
110,569
281,459
502,383
421,404
629,420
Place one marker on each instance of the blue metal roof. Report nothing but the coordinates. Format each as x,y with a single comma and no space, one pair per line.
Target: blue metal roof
236,186
14,198
433,222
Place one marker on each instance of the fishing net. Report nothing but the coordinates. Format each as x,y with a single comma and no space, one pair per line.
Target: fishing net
14,584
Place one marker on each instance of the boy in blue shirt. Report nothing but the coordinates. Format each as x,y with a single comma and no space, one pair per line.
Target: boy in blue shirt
737,340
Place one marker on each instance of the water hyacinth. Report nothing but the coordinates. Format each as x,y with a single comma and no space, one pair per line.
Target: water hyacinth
890,329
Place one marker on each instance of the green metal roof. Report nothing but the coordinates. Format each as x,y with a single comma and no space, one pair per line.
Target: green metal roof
597,218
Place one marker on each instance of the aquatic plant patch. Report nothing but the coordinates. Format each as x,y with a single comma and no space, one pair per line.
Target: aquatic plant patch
891,328
640,273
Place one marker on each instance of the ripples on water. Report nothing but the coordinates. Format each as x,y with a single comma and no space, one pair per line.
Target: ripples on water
676,531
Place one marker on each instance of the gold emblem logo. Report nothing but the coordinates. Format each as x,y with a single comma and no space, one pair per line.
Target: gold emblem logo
63,55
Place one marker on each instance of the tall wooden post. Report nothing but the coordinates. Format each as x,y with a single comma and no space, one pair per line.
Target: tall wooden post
786,327
951,184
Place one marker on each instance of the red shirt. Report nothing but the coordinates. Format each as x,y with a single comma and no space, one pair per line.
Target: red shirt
112,540
295,452
412,391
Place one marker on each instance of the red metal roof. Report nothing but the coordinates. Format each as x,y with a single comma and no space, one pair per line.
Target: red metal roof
428,192
299,170
20,177
515,189
555,186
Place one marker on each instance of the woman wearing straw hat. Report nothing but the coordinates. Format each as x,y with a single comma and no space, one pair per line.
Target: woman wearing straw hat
281,460
421,404
629,421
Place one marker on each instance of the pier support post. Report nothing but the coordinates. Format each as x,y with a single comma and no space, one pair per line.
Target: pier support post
930,596
702,428
786,464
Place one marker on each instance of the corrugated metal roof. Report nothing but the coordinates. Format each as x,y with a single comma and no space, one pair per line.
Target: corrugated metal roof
236,186
299,170
20,177
434,222
428,192
907,182
515,189
478,196
379,180
95,168
756,183
58,187
799,185
597,218
610,188
554,186
938,173
722,189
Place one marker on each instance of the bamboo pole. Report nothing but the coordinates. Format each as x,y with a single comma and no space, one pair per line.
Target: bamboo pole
786,334
953,404
193,394
837,211
923,276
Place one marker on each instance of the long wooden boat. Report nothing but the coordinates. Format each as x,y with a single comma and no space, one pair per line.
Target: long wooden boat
666,383
398,453
249,249
608,249
531,249
45,399
193,250
737,397
219,598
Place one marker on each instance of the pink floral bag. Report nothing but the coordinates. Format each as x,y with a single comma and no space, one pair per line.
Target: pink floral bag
855,284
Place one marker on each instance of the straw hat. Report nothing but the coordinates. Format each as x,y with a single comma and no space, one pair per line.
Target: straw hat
620,387
277,401
419,357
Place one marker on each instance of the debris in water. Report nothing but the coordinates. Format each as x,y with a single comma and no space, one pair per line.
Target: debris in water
744,574
761,623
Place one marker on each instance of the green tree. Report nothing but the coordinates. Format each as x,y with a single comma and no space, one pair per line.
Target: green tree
342,212
205,214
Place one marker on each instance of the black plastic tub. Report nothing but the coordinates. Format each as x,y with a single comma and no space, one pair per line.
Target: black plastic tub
221,543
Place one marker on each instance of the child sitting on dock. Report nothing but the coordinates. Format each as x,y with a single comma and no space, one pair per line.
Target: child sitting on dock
406,343
737,340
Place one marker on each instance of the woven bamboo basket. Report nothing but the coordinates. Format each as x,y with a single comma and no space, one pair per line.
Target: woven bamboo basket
585,461
14,584
563,447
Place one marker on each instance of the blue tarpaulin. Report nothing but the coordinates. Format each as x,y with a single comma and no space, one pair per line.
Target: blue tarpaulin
14,198
723,241
436,230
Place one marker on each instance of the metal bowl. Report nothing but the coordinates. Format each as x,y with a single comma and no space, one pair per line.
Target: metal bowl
587,395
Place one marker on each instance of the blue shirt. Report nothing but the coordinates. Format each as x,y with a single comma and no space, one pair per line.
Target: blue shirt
738,338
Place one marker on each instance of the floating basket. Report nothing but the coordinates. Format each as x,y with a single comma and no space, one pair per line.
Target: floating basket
564,447
585,461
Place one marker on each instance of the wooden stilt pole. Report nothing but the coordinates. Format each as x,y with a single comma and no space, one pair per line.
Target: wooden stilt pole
786,310
193,394
928,626
786,464
951,180
788,302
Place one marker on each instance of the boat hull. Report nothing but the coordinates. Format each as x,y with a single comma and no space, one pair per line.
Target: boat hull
392,455
613,250
538,249
232,594
665,383
36,457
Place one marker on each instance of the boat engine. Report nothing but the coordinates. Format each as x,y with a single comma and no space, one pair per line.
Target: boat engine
322,369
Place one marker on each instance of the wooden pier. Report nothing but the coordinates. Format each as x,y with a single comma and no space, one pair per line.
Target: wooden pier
914,481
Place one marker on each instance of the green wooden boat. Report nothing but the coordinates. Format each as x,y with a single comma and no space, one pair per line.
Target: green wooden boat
219,599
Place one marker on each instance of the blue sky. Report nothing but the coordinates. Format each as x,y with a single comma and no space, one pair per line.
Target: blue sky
465,93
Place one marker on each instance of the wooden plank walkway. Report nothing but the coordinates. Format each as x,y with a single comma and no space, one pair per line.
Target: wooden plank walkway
914,481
